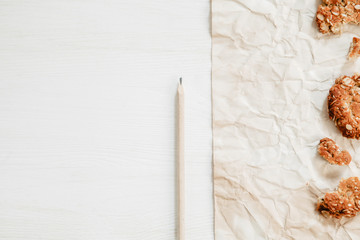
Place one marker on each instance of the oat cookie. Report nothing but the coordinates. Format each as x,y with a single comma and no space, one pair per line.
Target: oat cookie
354,51
344,105
330,151
345,202
332,14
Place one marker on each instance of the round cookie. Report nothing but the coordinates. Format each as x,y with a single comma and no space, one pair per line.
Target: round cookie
344,105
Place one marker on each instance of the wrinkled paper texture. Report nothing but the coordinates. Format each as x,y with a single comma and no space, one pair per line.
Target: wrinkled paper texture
272,71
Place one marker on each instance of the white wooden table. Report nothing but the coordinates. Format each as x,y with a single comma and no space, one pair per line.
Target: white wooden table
87,118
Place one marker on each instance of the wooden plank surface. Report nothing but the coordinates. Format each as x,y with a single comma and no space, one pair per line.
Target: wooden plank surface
87,118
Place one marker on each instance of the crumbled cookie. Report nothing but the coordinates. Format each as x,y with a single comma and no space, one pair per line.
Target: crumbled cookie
354,51
330,151
345,202
344,105
332,14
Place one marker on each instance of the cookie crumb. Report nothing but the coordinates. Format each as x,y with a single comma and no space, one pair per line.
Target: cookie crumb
330,151
354,51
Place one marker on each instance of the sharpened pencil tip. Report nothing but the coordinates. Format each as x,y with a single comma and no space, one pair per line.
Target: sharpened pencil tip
181,80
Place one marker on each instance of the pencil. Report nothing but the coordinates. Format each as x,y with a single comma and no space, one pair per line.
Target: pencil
180,164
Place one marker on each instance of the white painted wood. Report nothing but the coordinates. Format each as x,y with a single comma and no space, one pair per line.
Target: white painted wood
87,118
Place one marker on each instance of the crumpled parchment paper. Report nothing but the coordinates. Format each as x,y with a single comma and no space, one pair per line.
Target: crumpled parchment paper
272,70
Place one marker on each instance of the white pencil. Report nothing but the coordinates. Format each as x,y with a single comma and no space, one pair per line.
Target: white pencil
180,164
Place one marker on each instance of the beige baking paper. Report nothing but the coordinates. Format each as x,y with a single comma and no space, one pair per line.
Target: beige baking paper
272,70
